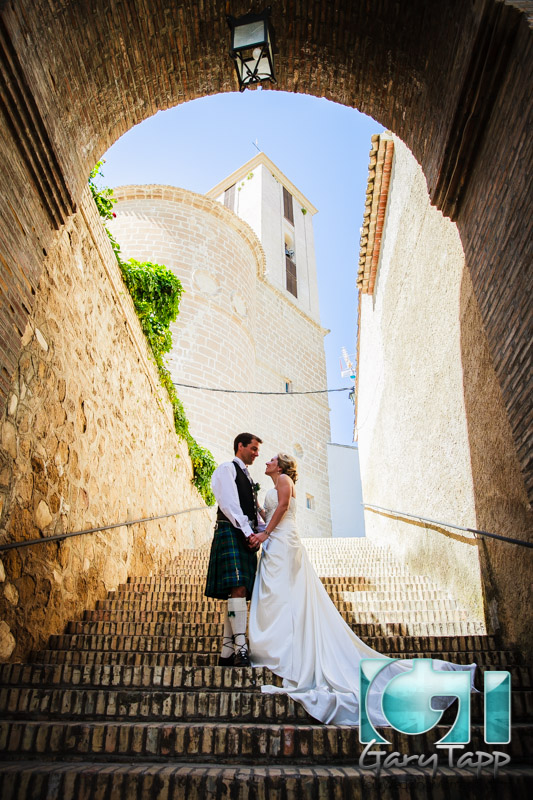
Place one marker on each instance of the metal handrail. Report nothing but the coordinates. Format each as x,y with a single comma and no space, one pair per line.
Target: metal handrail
448,525
60,536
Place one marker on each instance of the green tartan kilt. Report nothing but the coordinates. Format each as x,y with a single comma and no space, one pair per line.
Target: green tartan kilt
231,563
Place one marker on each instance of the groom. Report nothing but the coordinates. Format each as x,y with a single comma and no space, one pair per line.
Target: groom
233,561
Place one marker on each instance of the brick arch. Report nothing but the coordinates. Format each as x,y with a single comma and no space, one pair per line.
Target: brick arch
452,79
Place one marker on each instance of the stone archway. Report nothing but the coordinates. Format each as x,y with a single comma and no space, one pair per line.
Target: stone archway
452,79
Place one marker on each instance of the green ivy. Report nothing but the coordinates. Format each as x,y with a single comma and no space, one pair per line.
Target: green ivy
102,197
156,295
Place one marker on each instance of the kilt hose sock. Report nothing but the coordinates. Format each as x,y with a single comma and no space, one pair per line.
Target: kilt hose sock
237,614
227,641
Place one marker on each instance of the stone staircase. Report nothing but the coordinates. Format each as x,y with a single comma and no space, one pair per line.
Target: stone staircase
129,703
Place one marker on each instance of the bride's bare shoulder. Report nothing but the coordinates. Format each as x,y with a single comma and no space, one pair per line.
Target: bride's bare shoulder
285,484
285,479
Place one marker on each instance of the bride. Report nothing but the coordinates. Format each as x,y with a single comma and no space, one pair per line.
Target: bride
295,629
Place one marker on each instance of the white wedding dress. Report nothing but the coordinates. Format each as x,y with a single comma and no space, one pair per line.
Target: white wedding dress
296,631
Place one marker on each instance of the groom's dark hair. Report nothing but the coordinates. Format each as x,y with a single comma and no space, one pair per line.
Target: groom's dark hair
245,439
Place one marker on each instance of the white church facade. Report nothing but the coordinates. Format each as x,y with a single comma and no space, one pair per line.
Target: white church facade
249,317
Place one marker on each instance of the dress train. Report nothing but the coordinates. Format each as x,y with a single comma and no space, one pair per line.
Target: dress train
296,631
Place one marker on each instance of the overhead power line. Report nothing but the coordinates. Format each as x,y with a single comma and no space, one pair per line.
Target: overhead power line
246,391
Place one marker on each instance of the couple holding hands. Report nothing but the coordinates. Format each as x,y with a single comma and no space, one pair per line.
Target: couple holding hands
294,628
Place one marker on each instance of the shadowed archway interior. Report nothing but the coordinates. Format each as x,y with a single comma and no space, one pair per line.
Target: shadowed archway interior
452,79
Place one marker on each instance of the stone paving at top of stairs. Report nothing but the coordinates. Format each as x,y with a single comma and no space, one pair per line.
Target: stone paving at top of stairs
130,703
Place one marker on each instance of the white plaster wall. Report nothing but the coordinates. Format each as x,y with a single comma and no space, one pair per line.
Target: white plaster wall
259,201
305,258
274,228
412,427
248,192
272,239
308,241
346,497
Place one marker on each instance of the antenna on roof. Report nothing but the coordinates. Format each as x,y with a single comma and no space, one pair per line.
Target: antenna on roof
256,146
347,368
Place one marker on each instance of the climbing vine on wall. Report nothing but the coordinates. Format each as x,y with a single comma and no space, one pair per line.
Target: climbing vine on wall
156,294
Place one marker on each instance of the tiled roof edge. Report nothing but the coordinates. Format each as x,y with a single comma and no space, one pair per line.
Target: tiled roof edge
377,193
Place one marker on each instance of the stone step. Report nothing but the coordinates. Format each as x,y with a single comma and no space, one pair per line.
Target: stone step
131,702
355,593
358,582
156,704
350,562
210,644
357,621
336,554
197,781
335,551
171,677
372,557
366,601
321,548
198,577
372,602
383,586
361,590
341,561
139,600
322,543
178,628
333,548
388,623
114,612
367,572
347,562
173,603
498,658
252,743
125,676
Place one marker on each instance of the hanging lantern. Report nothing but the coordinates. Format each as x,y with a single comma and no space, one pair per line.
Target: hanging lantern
251,48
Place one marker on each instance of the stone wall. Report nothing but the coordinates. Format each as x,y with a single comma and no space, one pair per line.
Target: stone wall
235,331
292,347
87,440
217,258
434,437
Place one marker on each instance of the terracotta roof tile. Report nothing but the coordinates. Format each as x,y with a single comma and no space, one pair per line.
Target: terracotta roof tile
377,193
379,172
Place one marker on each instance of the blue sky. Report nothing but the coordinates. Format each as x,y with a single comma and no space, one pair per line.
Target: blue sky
322,147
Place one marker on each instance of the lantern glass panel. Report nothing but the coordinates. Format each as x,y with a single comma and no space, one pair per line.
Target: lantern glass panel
249,35
247,66
263,70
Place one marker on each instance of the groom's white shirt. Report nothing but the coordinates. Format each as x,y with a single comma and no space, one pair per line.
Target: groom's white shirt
227,496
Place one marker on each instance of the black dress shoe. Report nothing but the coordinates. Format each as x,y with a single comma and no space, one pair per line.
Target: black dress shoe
242,659
227,662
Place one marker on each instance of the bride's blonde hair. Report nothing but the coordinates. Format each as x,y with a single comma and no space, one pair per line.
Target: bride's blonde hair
288,465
